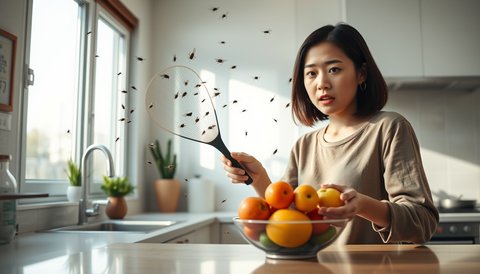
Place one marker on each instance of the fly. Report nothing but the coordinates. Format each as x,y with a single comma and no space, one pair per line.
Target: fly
124,91
184,94
233,67
116,140
212,126
275,120
141,59
275,151
131,111
188,114
214,9
165,76
192,54
206,113
134,88
150,106
176,95
121,119
273,98
174,58
185,82
256,77
224,16
220,60
182,125
196,120
123,106
244,110
216,94
268,31
118,74
287,105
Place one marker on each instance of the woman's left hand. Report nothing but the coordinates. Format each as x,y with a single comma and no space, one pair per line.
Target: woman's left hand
350,209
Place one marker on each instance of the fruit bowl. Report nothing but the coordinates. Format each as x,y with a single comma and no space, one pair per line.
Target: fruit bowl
290,239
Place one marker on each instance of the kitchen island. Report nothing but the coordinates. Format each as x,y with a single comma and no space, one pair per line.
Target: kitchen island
241,258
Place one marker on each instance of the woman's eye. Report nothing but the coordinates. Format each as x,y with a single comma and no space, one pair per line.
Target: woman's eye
334,70
310,74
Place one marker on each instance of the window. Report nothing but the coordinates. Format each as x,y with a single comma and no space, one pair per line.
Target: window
78,93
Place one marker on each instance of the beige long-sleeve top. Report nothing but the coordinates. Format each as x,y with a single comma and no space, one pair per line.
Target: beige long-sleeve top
382,160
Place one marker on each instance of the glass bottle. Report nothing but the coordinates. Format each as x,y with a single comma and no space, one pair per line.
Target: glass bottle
8,185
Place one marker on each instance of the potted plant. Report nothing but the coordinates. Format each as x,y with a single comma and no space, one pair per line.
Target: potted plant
167,189
74,190
116,188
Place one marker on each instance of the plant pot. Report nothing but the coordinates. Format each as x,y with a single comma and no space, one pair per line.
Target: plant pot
116,207
167,193
74,193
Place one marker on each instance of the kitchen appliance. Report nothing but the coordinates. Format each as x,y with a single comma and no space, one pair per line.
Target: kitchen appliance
458,226
179,102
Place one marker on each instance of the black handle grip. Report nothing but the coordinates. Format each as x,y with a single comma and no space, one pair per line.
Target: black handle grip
235,163
218,144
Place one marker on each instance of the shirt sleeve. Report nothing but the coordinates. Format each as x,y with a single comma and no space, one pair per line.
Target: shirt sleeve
413,216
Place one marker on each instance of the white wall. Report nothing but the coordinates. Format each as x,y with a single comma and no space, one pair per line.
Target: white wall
447,124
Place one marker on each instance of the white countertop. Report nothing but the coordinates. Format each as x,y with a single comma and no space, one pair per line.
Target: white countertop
32,248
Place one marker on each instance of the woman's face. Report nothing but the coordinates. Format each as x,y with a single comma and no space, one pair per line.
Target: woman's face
331,80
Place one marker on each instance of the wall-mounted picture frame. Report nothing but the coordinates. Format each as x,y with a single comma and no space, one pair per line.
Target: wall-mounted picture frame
8,45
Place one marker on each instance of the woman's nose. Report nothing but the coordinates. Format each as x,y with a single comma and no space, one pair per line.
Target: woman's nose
322,82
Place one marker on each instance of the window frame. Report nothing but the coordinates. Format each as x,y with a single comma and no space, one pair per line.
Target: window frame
90,12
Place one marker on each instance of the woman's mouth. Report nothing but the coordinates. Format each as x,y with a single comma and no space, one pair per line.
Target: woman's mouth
326,99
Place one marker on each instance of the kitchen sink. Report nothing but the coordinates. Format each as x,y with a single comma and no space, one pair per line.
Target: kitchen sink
120,226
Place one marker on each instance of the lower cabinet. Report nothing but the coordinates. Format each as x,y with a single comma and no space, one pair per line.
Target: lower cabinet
229,234
199,236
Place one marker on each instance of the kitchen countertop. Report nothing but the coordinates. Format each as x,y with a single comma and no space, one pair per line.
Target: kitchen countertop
227,258
32,252
30,249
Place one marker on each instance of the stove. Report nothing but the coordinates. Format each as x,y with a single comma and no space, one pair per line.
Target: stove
460,226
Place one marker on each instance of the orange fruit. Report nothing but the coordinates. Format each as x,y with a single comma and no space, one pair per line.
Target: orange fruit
329,197
253,208
279,194
252,233
306,198
289,234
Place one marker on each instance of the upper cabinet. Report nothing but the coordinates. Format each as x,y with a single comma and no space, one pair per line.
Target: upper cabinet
420,38
451,37
392,31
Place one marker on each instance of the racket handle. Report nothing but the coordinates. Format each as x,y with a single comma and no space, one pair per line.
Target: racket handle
235,163
220,145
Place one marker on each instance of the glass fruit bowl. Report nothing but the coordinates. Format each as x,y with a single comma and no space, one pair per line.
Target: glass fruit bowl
290,239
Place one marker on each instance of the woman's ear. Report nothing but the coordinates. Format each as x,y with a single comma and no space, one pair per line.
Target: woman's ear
362,73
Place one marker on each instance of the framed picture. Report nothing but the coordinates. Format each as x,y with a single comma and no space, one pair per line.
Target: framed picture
8,43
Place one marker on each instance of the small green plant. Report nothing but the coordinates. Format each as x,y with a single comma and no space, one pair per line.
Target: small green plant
73,174
116,186
166,164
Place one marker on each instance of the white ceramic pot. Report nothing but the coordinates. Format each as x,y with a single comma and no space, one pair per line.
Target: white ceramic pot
74,193
201,195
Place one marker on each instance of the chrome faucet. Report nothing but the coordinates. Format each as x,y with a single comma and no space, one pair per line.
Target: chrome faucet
83,211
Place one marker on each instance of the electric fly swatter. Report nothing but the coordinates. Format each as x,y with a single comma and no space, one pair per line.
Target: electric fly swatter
178,101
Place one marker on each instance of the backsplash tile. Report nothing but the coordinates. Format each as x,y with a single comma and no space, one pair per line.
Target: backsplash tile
447,124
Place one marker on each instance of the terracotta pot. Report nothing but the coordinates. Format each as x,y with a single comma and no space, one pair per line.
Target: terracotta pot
116,207
167,193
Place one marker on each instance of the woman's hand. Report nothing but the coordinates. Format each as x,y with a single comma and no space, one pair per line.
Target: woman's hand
350,209
237,175
357,204
253,167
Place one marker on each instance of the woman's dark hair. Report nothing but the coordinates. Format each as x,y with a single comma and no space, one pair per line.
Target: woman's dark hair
351,42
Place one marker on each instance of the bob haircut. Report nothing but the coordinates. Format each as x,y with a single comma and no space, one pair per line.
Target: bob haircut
351,42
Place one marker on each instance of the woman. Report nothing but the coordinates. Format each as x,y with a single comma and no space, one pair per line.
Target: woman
371,156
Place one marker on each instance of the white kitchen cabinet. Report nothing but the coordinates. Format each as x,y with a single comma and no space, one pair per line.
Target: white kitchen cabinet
420,38
451,37
313,14
391,29
198,236
229,234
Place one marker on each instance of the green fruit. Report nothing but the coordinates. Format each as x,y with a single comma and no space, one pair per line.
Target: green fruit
324,237
266,242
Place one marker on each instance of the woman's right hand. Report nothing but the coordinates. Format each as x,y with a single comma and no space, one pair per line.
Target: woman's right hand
237,175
